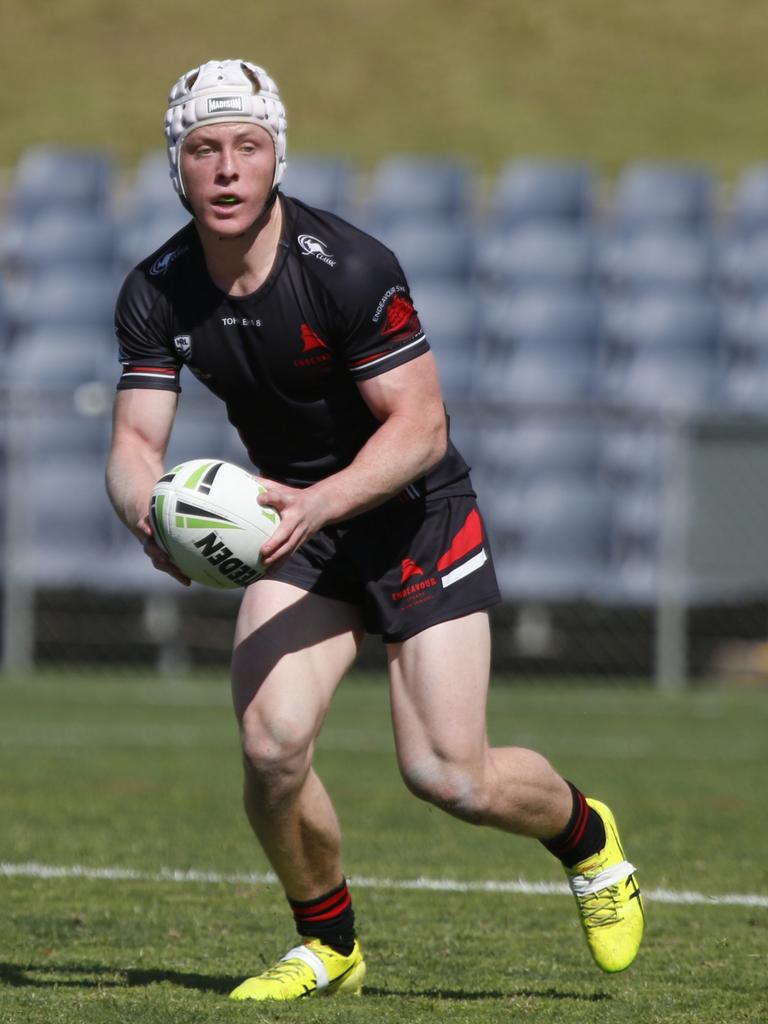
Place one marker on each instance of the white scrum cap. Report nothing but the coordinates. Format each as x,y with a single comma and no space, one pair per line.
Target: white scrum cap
221,92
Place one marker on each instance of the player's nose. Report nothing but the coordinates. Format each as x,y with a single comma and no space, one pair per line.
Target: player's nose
226,166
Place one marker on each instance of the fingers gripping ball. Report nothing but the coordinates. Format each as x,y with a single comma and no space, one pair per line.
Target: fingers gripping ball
206,516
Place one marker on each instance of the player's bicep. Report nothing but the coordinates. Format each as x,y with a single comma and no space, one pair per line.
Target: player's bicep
413,388
144,419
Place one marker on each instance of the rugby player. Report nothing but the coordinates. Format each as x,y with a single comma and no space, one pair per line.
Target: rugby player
304,327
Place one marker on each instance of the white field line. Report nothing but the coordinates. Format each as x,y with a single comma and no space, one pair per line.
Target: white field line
517,887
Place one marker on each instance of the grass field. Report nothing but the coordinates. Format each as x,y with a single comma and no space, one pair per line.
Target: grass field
127,785
488,79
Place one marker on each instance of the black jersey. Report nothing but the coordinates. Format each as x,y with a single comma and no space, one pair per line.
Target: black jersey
286,359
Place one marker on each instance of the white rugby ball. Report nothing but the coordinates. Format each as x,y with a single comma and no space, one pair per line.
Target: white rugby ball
206,517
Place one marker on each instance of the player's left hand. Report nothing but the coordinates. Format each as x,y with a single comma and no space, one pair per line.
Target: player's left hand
303,511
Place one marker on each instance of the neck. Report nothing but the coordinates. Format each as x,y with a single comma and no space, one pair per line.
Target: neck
240,264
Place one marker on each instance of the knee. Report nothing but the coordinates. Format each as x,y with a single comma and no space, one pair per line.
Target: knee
455,788
276,755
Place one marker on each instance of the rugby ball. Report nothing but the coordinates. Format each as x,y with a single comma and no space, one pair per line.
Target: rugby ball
205,515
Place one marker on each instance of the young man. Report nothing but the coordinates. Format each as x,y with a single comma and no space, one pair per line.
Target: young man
304,327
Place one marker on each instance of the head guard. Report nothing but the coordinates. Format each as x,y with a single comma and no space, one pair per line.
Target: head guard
222,92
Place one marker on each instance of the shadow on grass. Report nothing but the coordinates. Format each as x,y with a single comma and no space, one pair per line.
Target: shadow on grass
99,976
85,976
461,995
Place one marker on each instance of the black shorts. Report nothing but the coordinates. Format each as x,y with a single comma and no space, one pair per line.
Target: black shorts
407,566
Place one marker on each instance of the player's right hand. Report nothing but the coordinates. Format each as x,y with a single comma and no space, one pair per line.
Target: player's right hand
157,555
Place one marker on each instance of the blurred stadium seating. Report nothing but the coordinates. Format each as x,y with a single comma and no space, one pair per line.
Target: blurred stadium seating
542,190
581,329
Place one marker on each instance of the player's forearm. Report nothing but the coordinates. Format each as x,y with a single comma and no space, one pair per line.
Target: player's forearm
130,476
402,450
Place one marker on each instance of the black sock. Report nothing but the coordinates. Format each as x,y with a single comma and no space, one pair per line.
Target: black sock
583,836
329,918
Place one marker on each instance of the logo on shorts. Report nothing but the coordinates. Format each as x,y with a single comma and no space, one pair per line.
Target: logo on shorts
183,345
316,247
465,555
410,568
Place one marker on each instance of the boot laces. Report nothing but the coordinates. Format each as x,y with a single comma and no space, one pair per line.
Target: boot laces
601,908
285,972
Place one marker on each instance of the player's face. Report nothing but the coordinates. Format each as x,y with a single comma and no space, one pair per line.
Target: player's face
227,171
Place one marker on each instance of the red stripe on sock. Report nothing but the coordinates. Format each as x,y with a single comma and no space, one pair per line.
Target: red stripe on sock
329,914
311,909
578,829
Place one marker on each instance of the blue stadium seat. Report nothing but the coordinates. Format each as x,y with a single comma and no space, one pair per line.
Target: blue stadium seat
531,189
5,316
60,360
634,560
746,385
69,239
630,457
663,353
67,526
407,186
658,259
151,188
139,238
670,323
666,381
538,347
537,254
659,192
748,213
742,264
325,182
531,381
746,331
537,448
450,317
430,249
57,177
541,320
67,299
60,429
558,548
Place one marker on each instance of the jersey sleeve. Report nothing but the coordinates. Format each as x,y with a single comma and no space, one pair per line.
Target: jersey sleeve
148,361
381,328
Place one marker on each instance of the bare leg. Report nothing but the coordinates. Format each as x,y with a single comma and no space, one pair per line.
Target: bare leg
439,684
291,651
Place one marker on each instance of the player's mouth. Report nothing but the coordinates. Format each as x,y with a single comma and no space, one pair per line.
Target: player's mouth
227,200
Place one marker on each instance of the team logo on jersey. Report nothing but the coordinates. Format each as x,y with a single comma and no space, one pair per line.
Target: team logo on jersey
316,247
315,351
183,345
310,339
401,318
164,260
385,299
